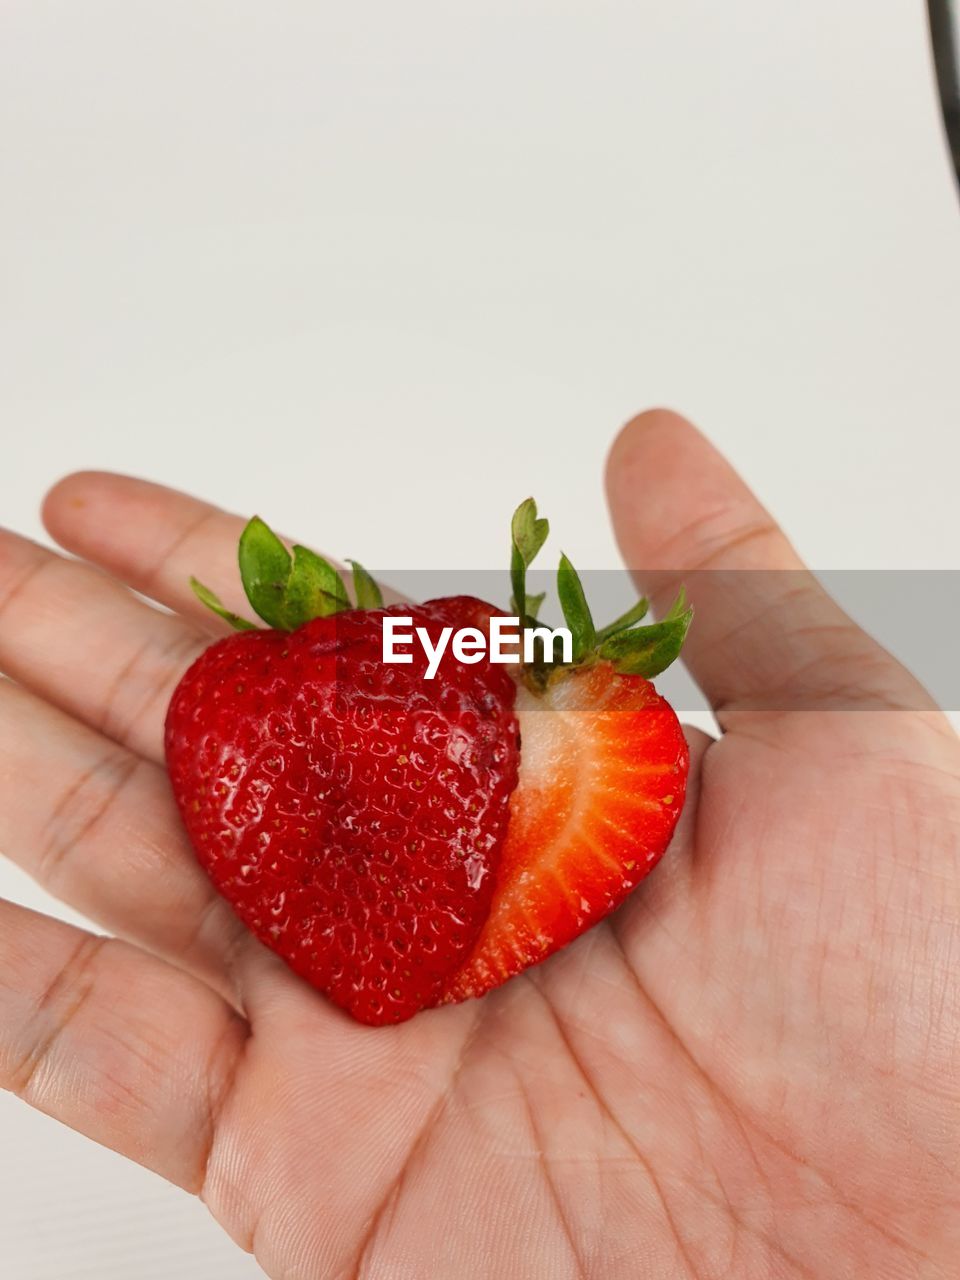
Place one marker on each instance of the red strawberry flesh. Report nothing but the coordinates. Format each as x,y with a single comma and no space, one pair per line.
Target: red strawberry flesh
602,778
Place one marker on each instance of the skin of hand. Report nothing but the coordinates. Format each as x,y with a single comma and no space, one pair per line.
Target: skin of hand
751,1070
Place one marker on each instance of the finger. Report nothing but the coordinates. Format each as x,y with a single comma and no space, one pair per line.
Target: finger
86,644
167,538
97,827
152,538
767,639
114,1043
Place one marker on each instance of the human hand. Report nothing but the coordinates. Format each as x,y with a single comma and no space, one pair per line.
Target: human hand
752,1069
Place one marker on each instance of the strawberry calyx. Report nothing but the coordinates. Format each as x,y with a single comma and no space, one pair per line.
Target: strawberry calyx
288,588
631,649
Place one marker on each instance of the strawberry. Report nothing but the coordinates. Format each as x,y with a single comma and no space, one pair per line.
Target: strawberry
402,841
351,813
602,778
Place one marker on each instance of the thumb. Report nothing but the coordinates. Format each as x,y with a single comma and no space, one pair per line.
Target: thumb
766,634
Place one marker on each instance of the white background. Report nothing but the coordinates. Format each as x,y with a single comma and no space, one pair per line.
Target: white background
379,270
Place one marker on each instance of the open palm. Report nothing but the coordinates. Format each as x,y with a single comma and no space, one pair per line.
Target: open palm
752,1069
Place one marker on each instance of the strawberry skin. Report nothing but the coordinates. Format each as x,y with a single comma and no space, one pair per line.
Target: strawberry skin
351,812
603,773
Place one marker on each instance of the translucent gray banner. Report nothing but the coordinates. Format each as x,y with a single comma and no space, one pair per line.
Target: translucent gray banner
774,621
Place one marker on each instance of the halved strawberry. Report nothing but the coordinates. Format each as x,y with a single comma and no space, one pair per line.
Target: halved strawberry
603,770
368,822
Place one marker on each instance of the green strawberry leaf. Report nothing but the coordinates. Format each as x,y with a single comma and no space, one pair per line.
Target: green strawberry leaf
626,620
527,536
679,605
264,570
533,607
529,532
213,602
576,611
287,591
366,590
314,589
646,651
534,603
